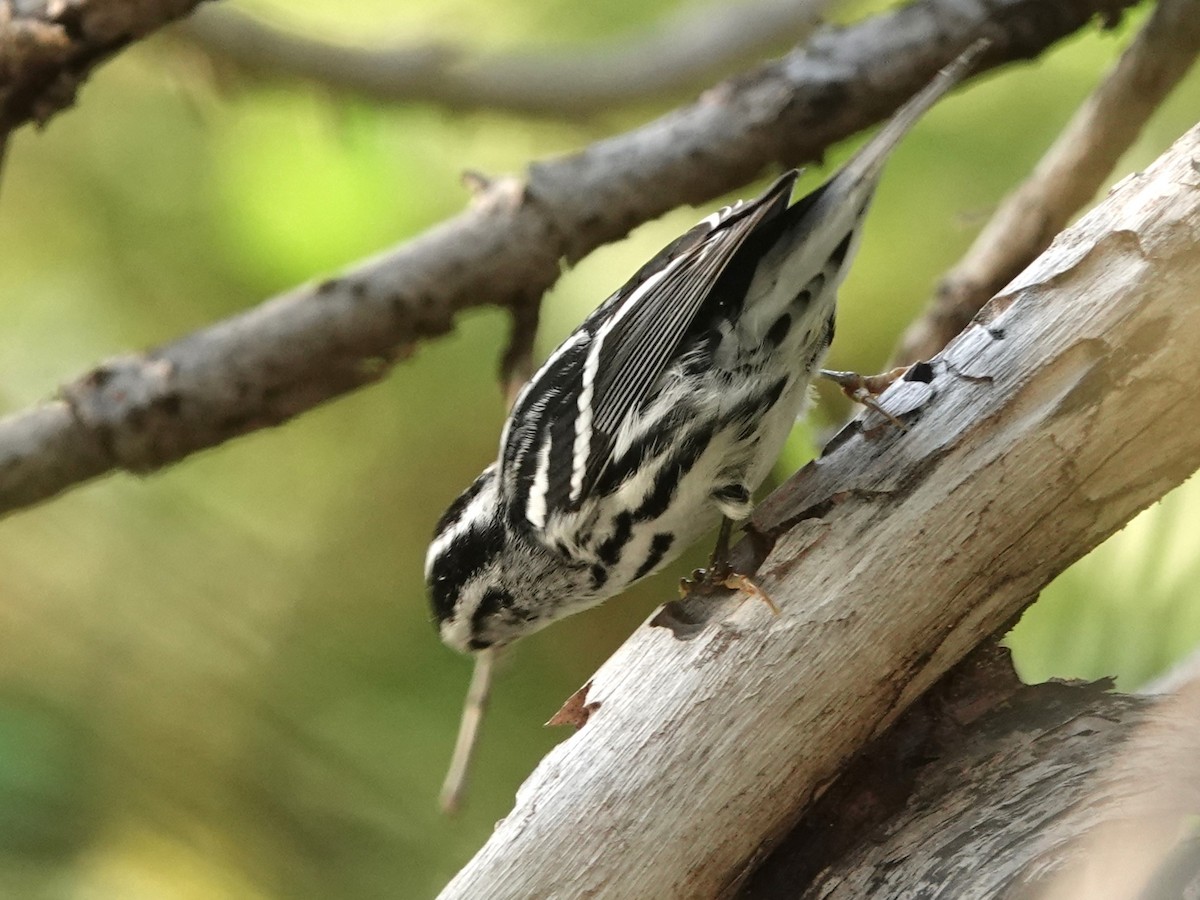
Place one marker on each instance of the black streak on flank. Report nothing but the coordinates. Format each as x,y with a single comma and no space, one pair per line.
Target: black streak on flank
610,550
830,328
648,446
774,394
672,472
749,412
599,576
658,549
779,331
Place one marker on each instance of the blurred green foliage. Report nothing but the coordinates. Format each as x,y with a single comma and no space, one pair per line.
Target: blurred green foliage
221,681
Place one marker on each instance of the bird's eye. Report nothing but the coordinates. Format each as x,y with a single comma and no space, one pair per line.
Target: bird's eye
493,600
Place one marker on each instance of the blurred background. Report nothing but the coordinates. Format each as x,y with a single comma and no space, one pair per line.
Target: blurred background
221,681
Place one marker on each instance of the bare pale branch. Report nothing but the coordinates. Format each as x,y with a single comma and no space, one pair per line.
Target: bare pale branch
1062,413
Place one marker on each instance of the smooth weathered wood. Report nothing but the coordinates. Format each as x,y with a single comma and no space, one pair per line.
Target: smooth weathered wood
1047,425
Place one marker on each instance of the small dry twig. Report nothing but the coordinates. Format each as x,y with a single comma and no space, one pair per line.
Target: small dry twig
474,709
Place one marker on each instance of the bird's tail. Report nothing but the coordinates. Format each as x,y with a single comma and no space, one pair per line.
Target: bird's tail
865,166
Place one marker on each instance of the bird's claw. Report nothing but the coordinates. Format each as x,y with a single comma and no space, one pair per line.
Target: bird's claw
864,389
724,576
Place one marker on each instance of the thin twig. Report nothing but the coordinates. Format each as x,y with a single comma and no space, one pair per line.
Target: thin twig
474,709
1066,178
684,53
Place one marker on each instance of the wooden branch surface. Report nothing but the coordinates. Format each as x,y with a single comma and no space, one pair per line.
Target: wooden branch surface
1045,427
258,369
688,51
971,789
988,788
49,47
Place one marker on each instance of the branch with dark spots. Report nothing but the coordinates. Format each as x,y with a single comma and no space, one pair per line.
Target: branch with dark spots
49,48
295,351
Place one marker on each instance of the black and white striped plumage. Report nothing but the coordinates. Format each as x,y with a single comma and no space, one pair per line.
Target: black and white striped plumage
661,413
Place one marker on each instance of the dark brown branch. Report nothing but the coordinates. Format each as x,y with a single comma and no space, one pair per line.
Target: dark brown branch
987,788
1066,178
682,54
260,368
48,48
932,789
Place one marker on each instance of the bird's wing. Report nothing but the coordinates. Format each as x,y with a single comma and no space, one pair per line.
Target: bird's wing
562,429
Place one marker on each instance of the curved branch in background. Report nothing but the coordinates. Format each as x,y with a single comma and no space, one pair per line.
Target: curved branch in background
1065,179
686,52
141,412
49,47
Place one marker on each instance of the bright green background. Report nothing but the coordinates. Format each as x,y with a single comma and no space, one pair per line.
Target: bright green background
221,681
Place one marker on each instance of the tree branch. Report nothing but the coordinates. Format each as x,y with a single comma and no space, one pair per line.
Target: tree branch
1066,178
1067,791
681,54
1066,410
260,368
48,48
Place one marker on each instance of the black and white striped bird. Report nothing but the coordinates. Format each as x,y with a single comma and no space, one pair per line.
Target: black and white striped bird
662,412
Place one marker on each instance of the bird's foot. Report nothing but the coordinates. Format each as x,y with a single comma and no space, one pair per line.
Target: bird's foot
722,575
865,389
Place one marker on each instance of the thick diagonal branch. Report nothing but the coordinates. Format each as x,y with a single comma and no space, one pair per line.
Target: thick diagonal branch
1061,414
258,369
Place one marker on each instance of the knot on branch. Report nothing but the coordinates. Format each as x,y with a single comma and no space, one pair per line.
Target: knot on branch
132,407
